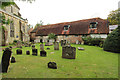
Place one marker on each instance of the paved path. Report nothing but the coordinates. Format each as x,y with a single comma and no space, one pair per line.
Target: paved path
6,47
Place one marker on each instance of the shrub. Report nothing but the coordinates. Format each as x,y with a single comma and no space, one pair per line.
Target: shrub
92,41
15,41
112,42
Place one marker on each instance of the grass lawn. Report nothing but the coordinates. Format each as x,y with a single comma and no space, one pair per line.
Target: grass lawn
91,63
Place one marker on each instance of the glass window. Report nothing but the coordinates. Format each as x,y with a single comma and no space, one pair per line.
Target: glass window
93,25
66,27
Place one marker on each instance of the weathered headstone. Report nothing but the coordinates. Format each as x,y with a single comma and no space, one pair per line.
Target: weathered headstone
19,44
52,65
34,52
27,52
48,48
56,46
13,60
48,44
33,46
77,42
79,48
43,53
19,51
68,52
6,60
41,47
10,47
63,43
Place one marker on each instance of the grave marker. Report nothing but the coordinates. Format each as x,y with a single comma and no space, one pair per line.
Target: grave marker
68,52
34,52
56,46
19,51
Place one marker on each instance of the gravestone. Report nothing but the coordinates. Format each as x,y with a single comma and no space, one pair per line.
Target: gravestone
19,44
41,47
6,60
79,48
43,53
27,52
56,46
48,44
63,43
33,46
77,42
10,47
13,60
68,52
34,52
48,48
52,65
19,51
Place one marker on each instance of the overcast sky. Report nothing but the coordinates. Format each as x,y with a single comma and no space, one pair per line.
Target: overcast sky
56,11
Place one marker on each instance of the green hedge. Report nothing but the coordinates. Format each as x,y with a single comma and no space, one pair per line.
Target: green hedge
112,42
93,41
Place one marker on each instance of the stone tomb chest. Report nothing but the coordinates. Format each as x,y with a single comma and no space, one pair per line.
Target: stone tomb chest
68,52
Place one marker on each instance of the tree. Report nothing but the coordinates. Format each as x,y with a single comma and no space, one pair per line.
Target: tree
113,17
52,36
112,42
39,24
2,28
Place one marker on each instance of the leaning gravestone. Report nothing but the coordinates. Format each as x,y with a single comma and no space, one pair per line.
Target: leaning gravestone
34,52
13,60
27,52
52,65
43,53
6,60
41,47
56,46
19,51
68,52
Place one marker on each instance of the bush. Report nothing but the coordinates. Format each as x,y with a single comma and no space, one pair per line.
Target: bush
15,41
112,42
93,41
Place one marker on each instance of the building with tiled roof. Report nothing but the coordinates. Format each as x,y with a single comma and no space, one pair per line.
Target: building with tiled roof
73,31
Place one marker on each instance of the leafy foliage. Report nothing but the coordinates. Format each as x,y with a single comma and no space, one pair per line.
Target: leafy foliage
39,24
52,36
4,4
93,41
112,42
113,17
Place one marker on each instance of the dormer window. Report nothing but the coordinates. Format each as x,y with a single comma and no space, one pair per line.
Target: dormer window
66,27
93,25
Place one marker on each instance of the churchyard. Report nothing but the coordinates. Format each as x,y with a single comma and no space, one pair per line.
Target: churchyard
88,62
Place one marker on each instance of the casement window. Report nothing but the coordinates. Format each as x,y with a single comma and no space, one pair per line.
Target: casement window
11,29
24,28
66,27
93,25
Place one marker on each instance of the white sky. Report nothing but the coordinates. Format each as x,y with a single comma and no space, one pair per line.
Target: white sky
56,11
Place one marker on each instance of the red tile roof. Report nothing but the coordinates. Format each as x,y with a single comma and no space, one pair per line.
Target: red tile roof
76,27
